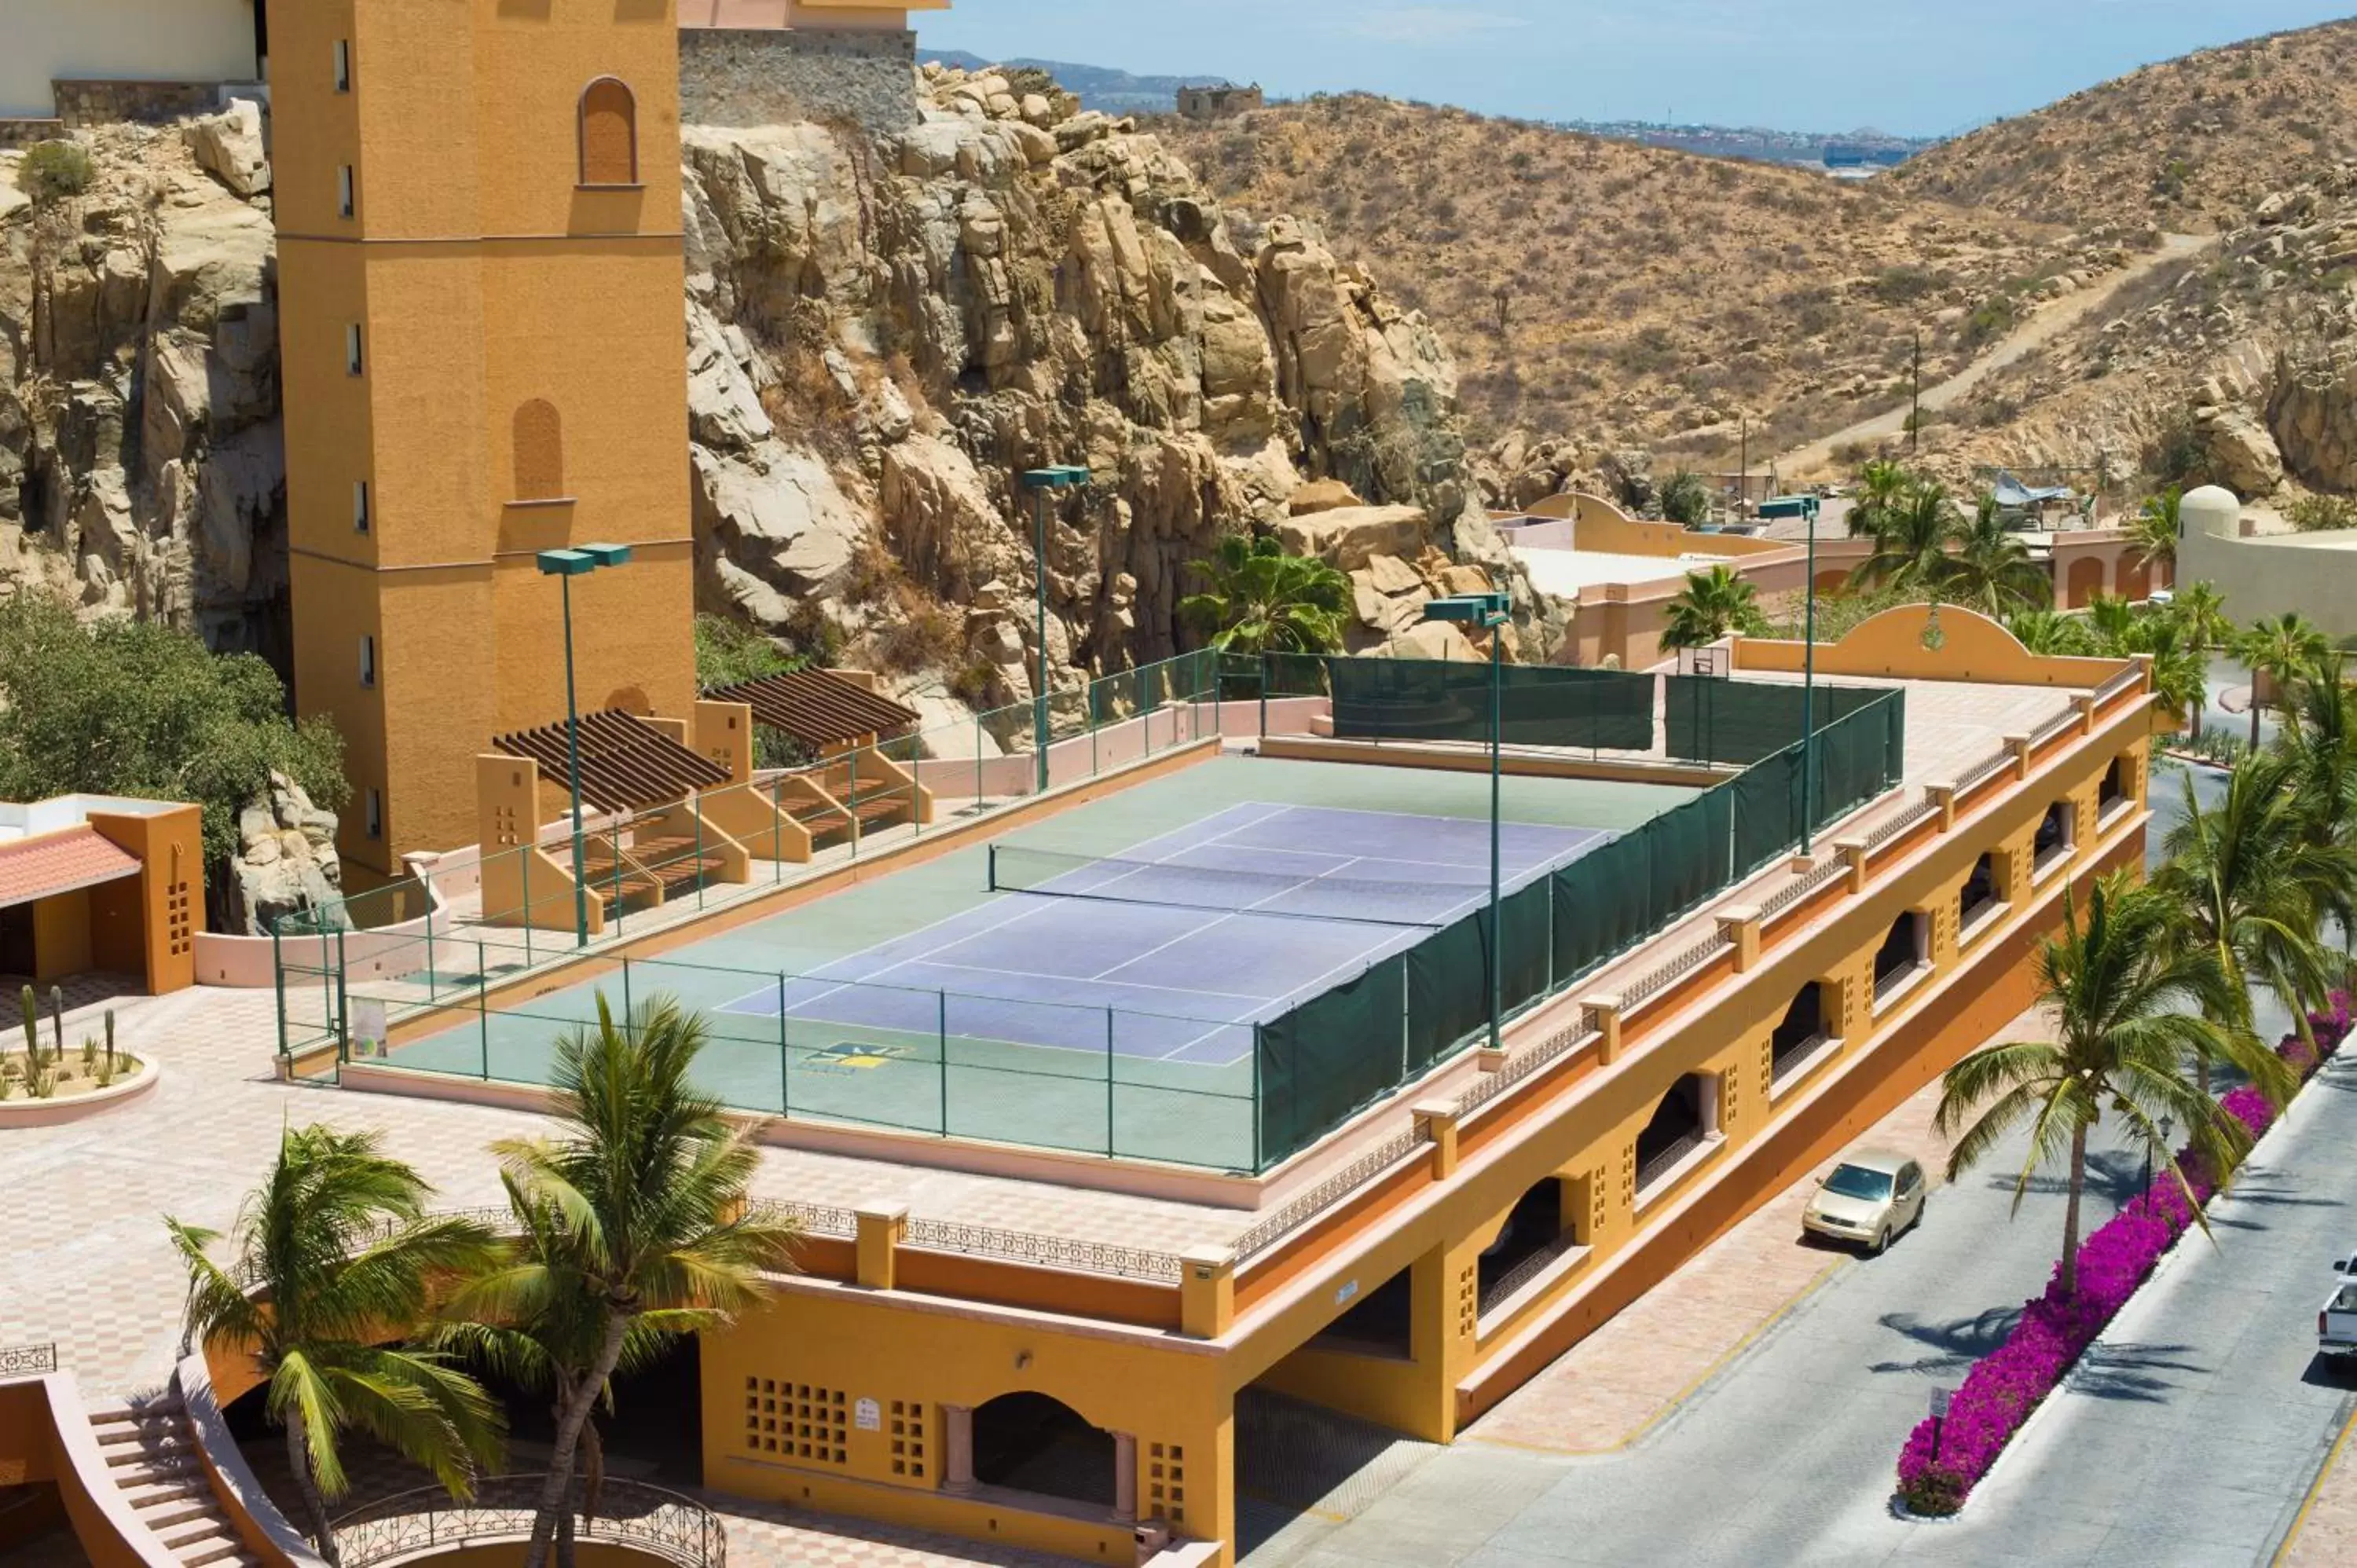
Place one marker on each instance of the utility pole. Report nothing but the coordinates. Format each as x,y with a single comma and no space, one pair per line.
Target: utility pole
1743,481
1915,420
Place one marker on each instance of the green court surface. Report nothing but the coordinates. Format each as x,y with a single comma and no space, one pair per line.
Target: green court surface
952,1064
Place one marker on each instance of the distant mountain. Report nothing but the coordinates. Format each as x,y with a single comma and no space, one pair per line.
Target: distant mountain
1096,86
1852,149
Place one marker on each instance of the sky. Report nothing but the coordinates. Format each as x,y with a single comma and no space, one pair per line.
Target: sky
1924,68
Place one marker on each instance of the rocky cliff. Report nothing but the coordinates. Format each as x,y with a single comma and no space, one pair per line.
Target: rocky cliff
881,331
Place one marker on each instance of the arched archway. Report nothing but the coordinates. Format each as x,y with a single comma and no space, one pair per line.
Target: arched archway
2084,583
1687,1118
609,132
1035,1443
629,700
539,457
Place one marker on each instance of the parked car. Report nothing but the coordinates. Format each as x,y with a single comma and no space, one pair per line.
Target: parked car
2335,1323
1872,1197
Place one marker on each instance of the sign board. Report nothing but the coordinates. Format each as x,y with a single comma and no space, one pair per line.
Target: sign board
867,1415
1349,1289
1940,1403
368,1027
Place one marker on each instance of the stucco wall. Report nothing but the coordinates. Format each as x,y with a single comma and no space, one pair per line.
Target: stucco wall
145,40
2312,574
754,76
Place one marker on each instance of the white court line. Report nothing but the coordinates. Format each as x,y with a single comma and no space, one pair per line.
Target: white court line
1092,980
1043,905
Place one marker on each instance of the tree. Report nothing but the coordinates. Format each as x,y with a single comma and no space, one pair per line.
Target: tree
1991,570
2116,985
335,1254
2283,648
126,707
1910,552
1712,605
1685,499
2203,610
2154,530
2181,671
1262,600
634,1216
2050,632
2246,884
1882,488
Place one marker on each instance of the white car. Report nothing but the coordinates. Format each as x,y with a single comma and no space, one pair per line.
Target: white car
2336,1321
1872,1197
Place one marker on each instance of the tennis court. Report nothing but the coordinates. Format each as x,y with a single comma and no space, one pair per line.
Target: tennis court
1094,982
1181,943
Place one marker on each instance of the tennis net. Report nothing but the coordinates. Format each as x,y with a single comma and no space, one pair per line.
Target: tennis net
1212,879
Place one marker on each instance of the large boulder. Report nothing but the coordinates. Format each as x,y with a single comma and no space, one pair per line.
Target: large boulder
2242,452
285,862
228,145
1348,537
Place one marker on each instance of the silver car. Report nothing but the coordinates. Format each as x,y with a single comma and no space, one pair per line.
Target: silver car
1871,1199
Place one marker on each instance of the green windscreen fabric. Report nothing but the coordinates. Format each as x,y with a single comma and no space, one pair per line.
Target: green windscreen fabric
1447,1000
1327,1058
1411,699
1529,919
1767,810
1738,723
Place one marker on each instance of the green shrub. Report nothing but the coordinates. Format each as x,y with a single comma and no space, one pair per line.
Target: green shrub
2321,514
55,169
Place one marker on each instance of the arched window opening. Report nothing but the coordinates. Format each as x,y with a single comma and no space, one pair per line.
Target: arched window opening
1537,1231
609,133
1803,1030
1980,895
1906,948
1032,1442
539,452
1686,1117
2053,844
1380,1322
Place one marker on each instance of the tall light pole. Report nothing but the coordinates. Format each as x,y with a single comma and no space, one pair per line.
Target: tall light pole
564,566
1040,482
1491,612
1809,693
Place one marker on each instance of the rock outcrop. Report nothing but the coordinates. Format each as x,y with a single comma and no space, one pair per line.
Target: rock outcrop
286,862
882,330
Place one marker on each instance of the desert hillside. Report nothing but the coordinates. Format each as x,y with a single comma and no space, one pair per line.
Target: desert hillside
1630,296
2189,145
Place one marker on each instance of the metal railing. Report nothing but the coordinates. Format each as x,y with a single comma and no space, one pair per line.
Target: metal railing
417,1523
1983,771
2115,684
1504,1289
1905,821
28,1360
1562,1043
2055,728
1048,1251
1343,1183
817,1218
1645,987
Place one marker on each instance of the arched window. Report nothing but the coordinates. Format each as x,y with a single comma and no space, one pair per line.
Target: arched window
609,133
539,452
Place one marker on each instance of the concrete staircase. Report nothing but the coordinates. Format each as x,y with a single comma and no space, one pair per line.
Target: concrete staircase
152,1456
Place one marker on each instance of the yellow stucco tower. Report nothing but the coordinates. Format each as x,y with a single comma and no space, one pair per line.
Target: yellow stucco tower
481,281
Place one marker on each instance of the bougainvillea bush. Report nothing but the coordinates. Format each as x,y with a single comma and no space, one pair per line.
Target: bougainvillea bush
2004,1386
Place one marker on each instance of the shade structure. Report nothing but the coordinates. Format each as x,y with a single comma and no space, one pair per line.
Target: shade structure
627,764
818,708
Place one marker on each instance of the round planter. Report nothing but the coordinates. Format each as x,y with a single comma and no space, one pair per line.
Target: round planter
20,1110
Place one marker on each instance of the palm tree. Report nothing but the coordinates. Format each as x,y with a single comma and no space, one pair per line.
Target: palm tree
2050,632
634,1219
1910,552
2154,530
1882,485
2248,885
1712,604
1991,570
2283,648
1262,600
334,1256
2181,671
2117,986
2111,622
2202,608
2320,743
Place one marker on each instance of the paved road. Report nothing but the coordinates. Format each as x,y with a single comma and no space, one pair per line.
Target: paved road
2038,331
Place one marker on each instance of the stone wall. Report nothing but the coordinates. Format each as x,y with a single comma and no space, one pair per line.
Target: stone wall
743,76
82,103
25,133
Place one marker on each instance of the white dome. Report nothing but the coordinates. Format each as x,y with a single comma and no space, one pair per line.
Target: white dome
2212,509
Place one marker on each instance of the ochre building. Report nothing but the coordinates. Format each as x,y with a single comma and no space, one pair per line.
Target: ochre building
482,284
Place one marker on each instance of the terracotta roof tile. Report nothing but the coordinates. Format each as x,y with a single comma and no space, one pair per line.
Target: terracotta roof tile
36,867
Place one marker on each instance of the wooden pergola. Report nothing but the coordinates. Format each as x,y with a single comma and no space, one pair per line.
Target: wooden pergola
820,709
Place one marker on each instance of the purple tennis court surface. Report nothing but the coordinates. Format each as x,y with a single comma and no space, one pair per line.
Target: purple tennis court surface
1172,950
